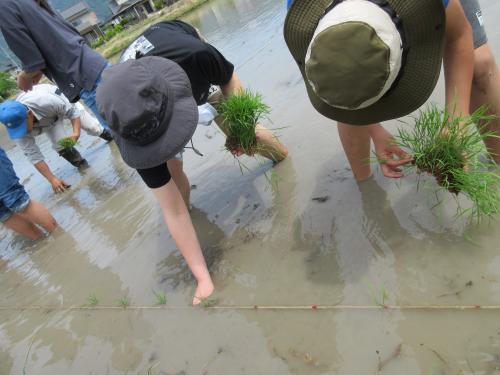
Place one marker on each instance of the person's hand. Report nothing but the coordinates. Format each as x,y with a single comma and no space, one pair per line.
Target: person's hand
390,156
25,81
74,136
59,186
238,151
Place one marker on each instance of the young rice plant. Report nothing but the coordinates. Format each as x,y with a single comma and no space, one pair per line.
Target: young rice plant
241,114
448,147
66,142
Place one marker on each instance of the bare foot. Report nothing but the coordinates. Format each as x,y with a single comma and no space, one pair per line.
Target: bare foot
204,290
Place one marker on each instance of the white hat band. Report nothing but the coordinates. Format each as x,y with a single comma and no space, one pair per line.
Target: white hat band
364,11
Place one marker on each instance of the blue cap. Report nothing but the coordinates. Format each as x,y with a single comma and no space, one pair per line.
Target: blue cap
14,116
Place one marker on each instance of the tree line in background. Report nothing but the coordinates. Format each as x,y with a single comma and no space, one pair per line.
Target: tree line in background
111,31
8,85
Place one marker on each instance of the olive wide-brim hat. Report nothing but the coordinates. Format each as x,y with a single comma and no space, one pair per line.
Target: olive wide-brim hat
346,62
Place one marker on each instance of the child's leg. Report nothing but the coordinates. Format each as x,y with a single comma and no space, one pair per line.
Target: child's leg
38,214
356,143
23,226
486,91
175,168
486,80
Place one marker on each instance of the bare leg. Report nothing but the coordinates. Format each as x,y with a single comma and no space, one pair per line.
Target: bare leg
23,226
180,179
181,228
356,143
486,91
38,214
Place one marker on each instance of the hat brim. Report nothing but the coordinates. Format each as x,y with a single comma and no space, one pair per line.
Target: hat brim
181,127
424,26
19,131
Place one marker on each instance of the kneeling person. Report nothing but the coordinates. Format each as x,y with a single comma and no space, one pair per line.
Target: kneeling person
43,110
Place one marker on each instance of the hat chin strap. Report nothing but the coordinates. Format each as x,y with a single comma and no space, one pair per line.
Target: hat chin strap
398,53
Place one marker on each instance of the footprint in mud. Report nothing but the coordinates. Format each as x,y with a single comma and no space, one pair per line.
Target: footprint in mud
321,199
174,270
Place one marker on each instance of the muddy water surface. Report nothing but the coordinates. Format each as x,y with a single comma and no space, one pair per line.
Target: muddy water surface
318,239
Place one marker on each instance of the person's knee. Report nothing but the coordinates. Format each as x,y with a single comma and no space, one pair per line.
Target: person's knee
175,168
36,212
484,68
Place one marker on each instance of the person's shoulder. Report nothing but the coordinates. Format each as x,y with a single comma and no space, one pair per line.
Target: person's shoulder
40,92
176,25
46,87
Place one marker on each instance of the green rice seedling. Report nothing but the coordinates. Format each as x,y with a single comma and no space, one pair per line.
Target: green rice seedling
241,113
92,300
379,297
27,356
208,302
123,302
66,142
448,147
161,298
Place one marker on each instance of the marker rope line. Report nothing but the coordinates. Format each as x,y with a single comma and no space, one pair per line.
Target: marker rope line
258,307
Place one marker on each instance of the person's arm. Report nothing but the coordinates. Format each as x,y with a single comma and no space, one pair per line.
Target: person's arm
232,87
58,185
76,123
26,81
269,145
181,228
62,108
18,38
32,152
458,59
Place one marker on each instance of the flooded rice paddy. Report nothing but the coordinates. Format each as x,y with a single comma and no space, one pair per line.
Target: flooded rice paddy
318,238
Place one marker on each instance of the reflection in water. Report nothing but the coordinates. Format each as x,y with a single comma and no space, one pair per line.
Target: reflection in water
263,247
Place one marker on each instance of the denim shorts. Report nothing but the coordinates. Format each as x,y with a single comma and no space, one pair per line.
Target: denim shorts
13,201
13,197
89,98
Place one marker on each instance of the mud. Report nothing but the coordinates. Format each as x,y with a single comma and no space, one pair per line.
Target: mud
320,238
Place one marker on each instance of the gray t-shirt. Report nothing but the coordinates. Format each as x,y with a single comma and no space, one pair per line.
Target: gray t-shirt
50,109
44,41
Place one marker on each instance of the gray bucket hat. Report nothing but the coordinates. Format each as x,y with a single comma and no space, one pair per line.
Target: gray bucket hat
365,61
149,106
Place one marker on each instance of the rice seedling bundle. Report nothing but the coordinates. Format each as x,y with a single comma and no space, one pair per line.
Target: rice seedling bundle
66,142
448,148
241,113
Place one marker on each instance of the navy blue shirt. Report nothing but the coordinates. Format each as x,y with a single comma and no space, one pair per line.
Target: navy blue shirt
44,41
